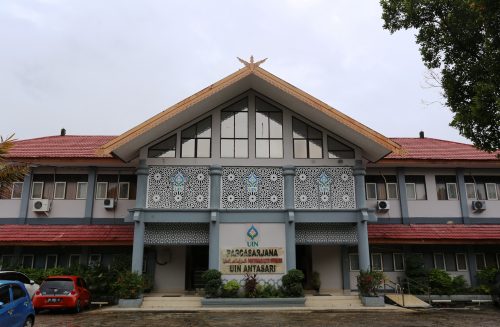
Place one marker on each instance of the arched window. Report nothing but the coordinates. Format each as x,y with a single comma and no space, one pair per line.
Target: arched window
234,130
268,130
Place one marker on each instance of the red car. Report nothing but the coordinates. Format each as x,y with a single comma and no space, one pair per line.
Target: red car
62,292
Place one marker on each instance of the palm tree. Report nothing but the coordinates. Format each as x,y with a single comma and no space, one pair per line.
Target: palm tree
9,171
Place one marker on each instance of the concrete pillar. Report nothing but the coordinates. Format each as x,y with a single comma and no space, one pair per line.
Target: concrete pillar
89,201
215,190
288,176
139,226
25,198
359,173
472,266
403,200
346,276
463,196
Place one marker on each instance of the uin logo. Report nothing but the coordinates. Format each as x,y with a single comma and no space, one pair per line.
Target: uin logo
253,236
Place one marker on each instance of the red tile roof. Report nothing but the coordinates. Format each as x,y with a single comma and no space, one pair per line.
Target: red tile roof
434,149
68,146
433,233
66,234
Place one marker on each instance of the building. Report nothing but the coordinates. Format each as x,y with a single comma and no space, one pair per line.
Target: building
252,174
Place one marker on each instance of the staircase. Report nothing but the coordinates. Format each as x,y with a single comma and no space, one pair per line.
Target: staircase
171,302
334,302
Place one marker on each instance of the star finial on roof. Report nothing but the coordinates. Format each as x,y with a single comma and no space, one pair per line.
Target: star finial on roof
252,65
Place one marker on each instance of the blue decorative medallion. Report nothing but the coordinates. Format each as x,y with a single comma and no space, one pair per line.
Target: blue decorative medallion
324,182
252,232
178,182
252,183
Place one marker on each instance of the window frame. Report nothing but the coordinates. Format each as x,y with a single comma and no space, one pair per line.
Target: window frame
64,191
47,259
498,260
414,191
307,139
448,191
2,260
41,191
466,263
434,254
328,149
78,188
387,191
151,148
119,190
268,138
484,260
375,189
196,138
234,138
351,255
73,255
89,261
32,260
487,192
467,191
97,188
372,255
12,191
394,261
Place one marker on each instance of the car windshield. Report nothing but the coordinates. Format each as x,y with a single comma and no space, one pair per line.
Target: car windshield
60,286
9,275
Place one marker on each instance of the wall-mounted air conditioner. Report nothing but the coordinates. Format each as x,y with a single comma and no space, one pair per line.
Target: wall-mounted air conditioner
383,206
42,205
109,203
478,206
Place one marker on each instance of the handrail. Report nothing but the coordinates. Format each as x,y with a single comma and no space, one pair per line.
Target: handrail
397,289
423,286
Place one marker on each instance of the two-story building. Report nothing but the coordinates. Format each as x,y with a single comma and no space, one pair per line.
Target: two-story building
252,175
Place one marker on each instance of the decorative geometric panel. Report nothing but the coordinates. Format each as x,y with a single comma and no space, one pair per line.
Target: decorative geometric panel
176,234
324,188
252,188
326,233
178,187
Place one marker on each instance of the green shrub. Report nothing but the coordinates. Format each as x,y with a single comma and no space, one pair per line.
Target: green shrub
369,282
316,281
440,282
459,285
211,274
417,274
213,288
128,285
486,279
292,283
231,288
251,285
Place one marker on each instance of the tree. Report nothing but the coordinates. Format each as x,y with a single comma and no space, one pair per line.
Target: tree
461,38
9,172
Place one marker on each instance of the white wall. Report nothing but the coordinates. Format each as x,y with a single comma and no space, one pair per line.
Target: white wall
10,208
326,260
120,210
170,277
60,209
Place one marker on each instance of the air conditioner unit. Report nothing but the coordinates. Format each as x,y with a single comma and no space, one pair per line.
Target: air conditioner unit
383,206
478,206
109,203
42,205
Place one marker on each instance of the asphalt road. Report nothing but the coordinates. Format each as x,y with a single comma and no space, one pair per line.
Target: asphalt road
484,317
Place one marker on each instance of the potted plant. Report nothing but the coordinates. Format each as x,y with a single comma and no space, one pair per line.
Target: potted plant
368,285
129,287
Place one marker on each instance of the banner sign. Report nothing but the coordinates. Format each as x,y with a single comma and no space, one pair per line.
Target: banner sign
240,261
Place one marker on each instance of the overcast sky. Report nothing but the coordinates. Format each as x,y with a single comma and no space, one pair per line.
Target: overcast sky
102,67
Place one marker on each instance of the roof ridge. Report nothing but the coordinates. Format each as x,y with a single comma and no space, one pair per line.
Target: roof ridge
431,138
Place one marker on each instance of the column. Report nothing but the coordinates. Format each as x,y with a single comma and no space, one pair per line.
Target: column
288,176
138,245
25,198
89,201
463,196
359,173
213,242
472,266
403,200
346,276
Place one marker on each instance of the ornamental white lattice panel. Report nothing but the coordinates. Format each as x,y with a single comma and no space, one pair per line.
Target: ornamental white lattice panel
326,233
324,188
252,188
171,187
176,234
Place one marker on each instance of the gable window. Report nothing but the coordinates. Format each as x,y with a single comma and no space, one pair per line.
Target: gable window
163,149
268,130
307,141
60,191
338,150
17,190
415,188
446,188
381,187
234,130
197,139
81,190
37,190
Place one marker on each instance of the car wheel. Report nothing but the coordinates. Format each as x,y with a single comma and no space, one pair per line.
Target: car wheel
77,307
28,322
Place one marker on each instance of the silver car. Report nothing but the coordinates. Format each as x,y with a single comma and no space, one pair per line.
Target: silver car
30,285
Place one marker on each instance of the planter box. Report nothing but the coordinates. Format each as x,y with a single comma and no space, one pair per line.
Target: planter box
373,301
257,302
130,303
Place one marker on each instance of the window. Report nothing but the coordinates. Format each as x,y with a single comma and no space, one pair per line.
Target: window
5,294
60,190
307,140
353,262
81,190
498,260
28,260
101,190
74,260
268,130
491,191
50,261
415,188
461,261
234,130
399,261
123,190
482,187
470,189
164,149
381,187
338,150
17,190
377,264
94,260
7,261
439,261
480,261
446,188
196,140
17,292
37,190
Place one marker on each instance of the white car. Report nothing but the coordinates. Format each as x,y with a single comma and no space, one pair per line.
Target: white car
30,285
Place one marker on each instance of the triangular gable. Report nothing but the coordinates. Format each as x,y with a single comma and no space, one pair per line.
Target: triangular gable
127,145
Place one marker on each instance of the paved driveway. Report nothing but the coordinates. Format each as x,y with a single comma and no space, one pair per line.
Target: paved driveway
485,317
